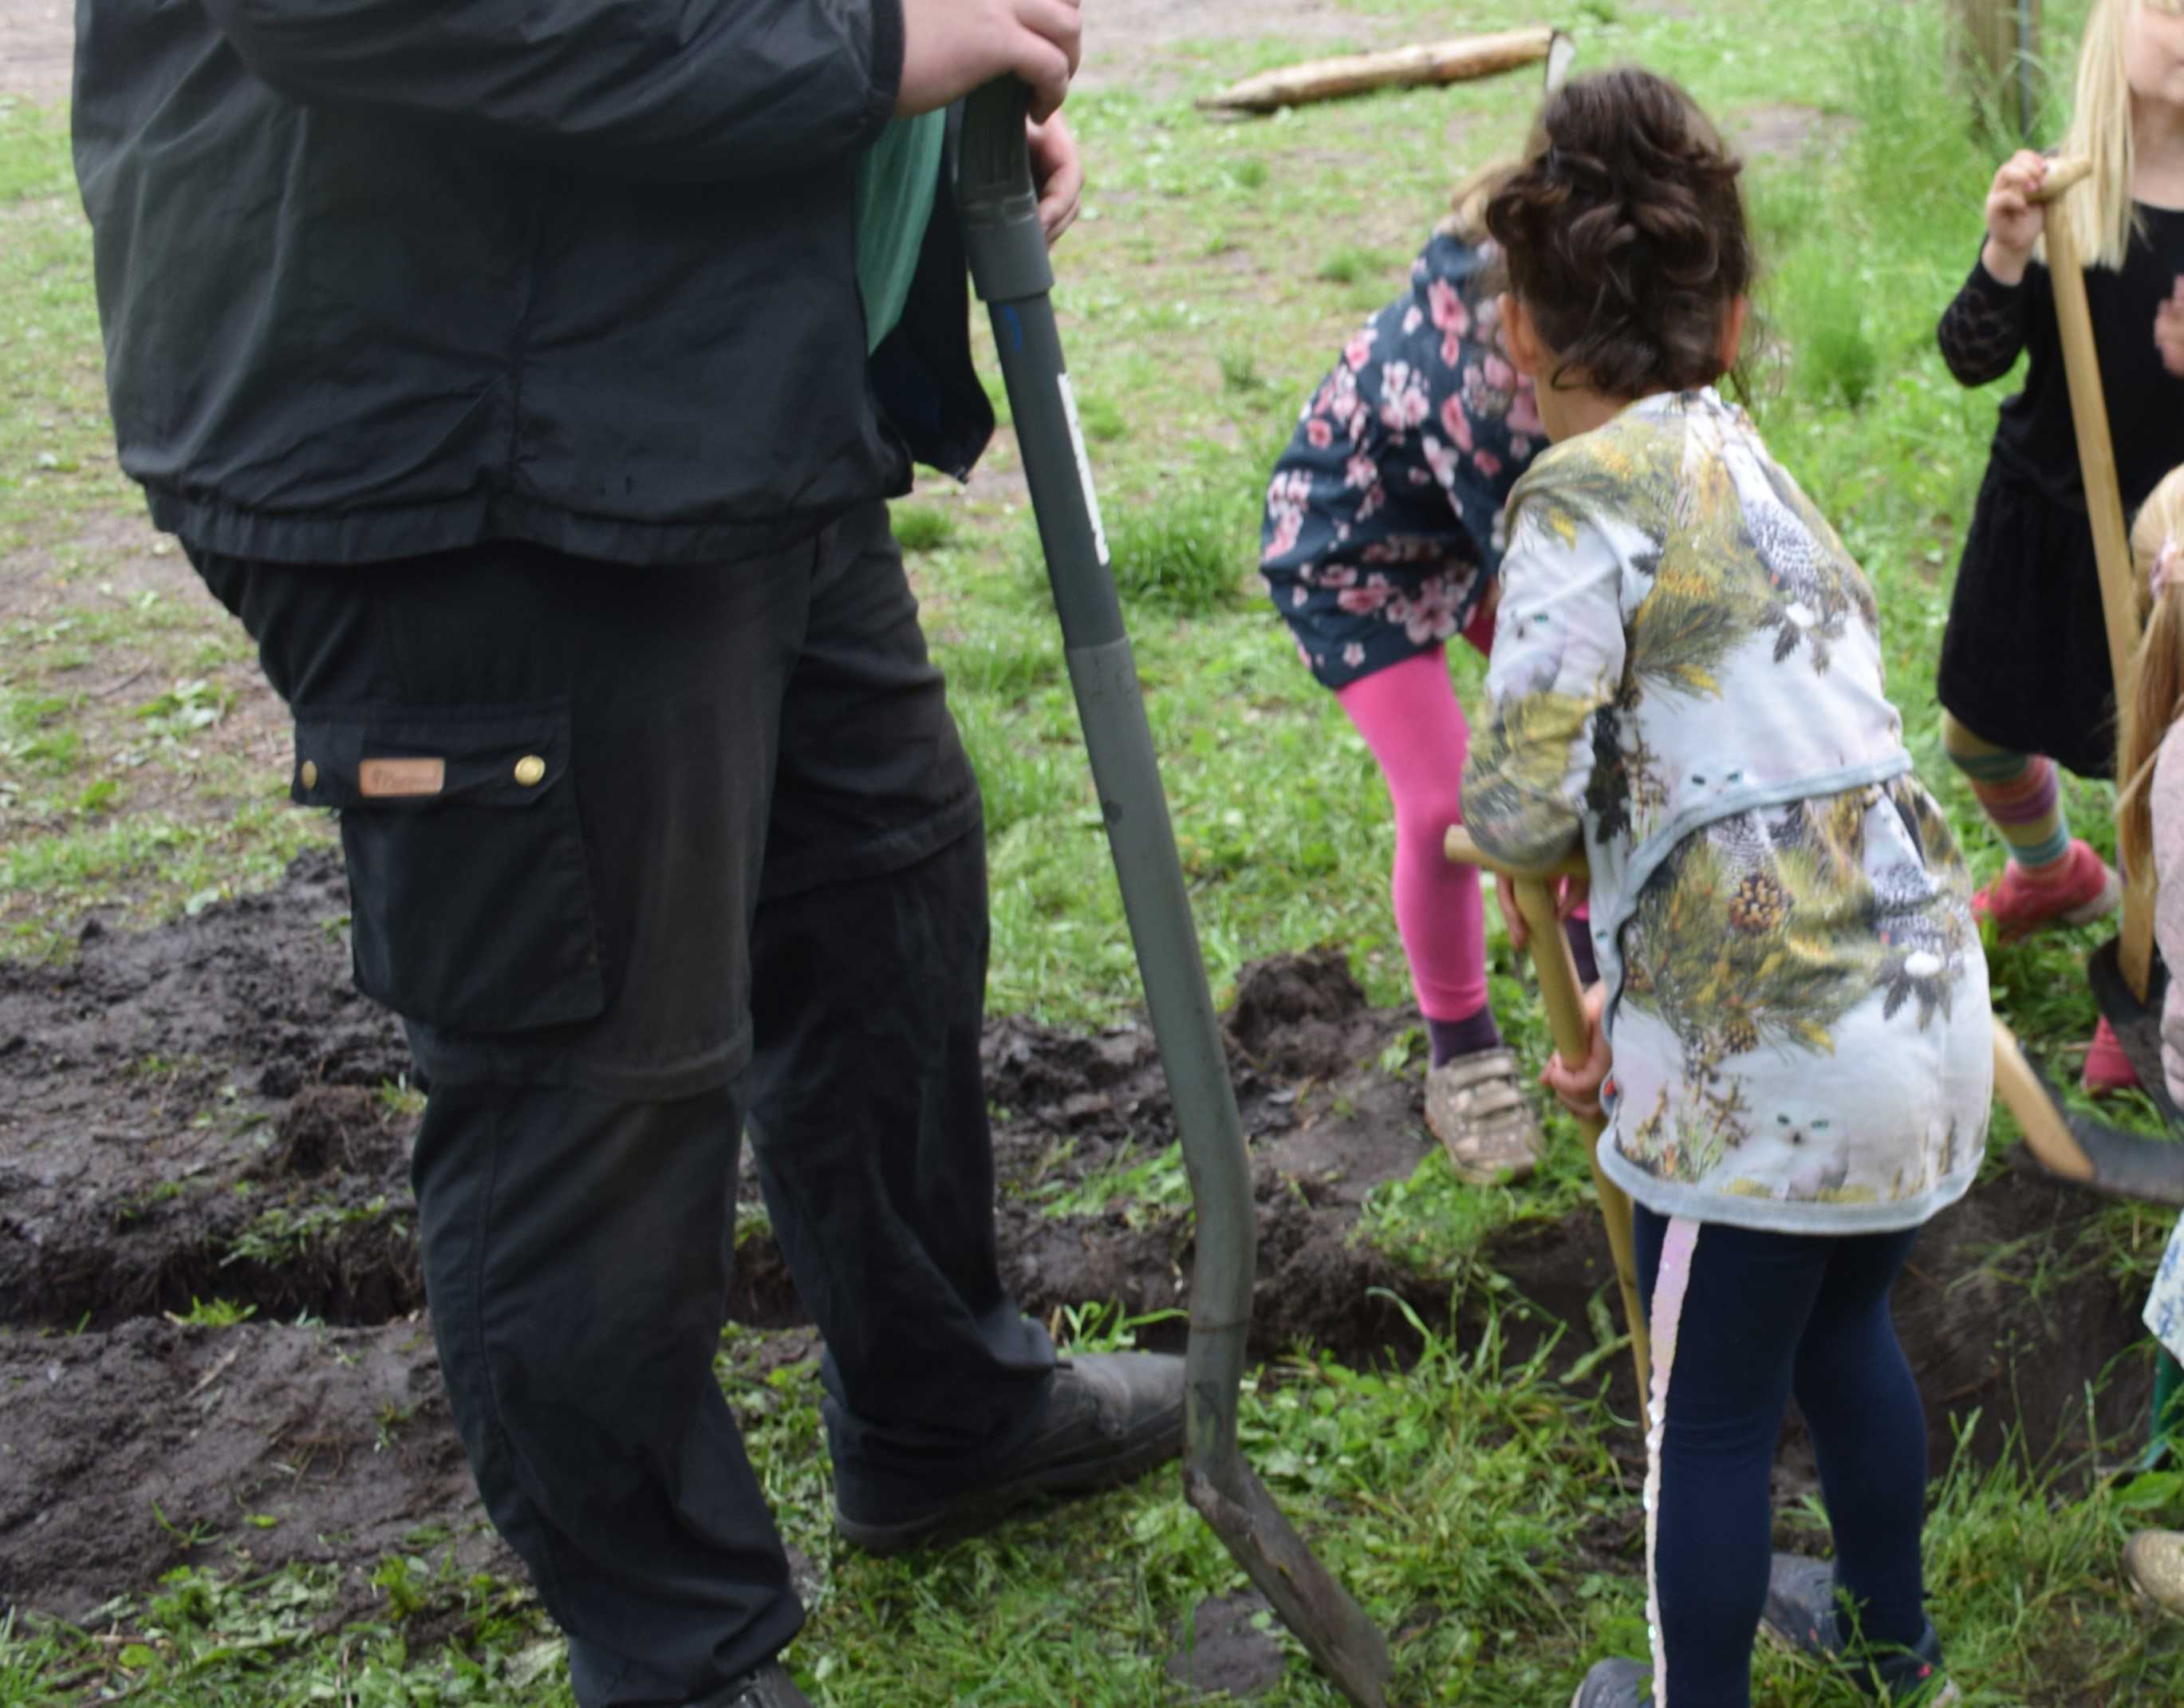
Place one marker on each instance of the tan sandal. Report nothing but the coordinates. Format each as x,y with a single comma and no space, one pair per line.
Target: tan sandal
1478,1110
2154,1560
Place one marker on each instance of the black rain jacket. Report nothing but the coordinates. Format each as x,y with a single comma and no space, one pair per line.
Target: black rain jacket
385,277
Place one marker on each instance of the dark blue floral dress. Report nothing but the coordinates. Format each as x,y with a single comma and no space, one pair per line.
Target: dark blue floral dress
1383,530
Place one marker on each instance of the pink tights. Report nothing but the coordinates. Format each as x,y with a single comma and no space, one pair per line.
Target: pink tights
1409,716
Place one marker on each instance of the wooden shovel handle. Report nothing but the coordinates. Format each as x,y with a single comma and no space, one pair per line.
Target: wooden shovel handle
1557,971
2064,176
2097,463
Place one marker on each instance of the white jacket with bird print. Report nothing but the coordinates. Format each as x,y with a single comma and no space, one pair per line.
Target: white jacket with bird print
1686,678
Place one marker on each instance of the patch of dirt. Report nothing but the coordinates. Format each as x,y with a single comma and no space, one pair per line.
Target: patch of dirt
37,49
194,1112
1128,43
124,1454
202,1112
1783,131
1229,1649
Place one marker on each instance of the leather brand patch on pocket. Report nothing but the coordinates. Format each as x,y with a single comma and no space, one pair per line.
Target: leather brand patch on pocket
380,778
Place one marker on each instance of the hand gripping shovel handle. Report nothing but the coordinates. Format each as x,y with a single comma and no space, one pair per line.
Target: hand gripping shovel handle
1557,971
1007,252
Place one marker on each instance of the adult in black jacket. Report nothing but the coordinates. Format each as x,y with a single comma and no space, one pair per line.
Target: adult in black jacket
503,364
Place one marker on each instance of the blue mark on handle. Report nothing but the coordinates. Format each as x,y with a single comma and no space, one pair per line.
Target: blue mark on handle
1014,323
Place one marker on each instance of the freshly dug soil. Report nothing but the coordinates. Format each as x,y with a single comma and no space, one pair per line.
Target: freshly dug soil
208,1111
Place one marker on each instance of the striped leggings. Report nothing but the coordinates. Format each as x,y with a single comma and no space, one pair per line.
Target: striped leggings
2019,792
1741,1320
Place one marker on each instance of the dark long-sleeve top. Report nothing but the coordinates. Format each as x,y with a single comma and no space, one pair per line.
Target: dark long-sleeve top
1988,326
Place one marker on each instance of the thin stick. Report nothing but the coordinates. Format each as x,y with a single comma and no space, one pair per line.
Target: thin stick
1435,62
2105,507
1565,1005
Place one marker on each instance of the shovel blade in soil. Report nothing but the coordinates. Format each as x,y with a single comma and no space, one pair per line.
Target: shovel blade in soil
2137,1024
2130,1166
1348,1646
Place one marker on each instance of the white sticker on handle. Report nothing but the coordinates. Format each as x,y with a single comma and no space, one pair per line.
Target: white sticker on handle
1084,470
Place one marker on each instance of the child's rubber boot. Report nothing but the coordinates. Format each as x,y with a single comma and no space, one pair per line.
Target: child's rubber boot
2085,890
1615,1685
1802,1615
2108,1068
2154,1561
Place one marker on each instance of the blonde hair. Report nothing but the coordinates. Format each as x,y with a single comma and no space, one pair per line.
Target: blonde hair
1466,220
2156,700
2100,216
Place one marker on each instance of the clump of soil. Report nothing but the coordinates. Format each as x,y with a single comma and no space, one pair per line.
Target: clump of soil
208,1111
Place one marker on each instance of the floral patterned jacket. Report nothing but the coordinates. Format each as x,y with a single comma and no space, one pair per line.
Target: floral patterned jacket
1382,520
1686,676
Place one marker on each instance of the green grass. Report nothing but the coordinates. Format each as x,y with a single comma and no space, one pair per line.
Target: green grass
921,528
1469,1501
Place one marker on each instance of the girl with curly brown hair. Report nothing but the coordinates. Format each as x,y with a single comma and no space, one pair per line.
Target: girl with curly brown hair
1687,682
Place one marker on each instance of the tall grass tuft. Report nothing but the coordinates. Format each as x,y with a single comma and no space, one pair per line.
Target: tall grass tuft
1184,553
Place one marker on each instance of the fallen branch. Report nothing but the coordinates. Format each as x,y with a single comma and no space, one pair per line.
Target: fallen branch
1437,62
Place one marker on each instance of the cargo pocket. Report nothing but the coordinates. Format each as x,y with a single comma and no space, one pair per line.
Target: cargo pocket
470,893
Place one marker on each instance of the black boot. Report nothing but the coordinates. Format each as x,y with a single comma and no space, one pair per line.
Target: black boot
769,1687
1110,1417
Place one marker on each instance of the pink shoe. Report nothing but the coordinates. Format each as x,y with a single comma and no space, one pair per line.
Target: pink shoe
2085,890
2107,1068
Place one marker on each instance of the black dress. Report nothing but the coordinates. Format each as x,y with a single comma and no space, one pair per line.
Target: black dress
2025,659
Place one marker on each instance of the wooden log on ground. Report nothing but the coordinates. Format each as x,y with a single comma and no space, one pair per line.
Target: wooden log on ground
1455,61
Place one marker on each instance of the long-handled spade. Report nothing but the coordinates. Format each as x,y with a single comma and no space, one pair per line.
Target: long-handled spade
1009,264
1555,969
2123,975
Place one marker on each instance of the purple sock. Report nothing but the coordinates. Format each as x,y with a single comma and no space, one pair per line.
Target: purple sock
1454,1038
1580,933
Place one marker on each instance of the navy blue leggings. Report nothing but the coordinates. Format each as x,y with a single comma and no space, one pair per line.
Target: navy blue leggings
1763,1316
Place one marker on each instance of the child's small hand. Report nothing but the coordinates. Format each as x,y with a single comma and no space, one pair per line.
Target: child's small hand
1579,1088
2015,221
2169,329
1568,898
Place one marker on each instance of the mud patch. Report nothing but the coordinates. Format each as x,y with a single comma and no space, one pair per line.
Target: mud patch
1228,1648
206,1112
124,1454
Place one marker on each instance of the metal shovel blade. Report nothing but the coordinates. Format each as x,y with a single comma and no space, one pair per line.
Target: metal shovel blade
1347,1645
2077,1148
1007,253
2137,1024
2130,1166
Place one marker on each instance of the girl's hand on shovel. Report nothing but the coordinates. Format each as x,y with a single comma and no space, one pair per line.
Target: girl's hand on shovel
1578,1088
1058,168
2168,331
2015,221
1568,899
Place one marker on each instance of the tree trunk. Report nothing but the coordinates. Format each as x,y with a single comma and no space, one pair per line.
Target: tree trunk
1996,65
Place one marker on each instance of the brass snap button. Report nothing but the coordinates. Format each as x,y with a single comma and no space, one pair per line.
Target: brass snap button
531,771
309,774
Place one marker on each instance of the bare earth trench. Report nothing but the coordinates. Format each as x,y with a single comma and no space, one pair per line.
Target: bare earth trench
197,1112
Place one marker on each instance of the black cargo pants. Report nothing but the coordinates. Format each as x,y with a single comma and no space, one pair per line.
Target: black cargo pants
639,855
